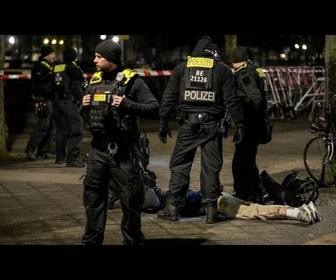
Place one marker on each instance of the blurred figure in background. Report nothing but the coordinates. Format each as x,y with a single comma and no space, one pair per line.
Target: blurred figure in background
70,84
43,91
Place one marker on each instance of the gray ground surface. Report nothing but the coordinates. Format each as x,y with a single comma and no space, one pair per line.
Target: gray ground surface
41,202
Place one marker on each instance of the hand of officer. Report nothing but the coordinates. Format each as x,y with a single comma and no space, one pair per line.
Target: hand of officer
117,100
86,100
238,136
164,130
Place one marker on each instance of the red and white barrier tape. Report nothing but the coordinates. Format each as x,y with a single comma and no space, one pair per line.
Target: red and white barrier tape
158,73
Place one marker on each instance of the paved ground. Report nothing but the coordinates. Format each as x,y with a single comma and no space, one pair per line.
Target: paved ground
41,202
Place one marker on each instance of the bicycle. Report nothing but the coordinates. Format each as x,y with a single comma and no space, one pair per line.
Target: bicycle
319,153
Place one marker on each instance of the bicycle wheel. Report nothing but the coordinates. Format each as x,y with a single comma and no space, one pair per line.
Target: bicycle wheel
318,167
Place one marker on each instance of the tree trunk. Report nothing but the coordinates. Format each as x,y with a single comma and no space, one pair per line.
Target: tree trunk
330,66
230,44
3,126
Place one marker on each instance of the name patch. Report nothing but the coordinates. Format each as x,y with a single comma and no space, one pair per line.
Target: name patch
99,97
199,95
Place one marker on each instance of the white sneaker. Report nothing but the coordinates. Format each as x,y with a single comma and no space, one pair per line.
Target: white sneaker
305,215
316,214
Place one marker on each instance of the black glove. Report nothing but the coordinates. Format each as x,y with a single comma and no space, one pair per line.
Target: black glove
238,136
163,131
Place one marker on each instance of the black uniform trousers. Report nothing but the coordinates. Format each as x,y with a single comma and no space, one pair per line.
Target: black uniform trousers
102,166
69,130
40,140
210,140
245,170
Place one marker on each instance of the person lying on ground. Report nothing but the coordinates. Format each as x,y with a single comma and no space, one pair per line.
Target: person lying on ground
229,205
236,208
233,207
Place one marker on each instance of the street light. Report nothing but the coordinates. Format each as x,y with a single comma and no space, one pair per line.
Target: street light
120,41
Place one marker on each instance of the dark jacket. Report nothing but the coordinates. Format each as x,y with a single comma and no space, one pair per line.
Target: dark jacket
42,77
76,80
225,88
253,98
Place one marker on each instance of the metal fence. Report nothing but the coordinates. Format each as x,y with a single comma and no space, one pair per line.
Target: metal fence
294,91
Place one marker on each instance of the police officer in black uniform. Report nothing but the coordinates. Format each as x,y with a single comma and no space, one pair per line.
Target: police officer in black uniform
251,88
70,83
203,87
43,89
115,98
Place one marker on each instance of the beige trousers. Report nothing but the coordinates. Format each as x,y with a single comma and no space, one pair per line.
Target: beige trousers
233,207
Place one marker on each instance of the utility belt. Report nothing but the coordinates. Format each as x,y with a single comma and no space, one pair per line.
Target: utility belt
204,117
197,121
103,144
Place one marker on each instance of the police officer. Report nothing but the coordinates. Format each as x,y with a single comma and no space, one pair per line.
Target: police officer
43,89
70,83
251,89
203,87
115,98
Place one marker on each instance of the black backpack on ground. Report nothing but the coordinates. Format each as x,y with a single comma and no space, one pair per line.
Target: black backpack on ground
293,191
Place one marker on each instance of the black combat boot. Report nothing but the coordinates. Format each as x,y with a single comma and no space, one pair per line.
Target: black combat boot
75,163
169,213
213,216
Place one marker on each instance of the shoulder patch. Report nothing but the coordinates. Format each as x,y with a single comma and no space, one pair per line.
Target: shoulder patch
260,72
47,65
96,78
59,68
129,74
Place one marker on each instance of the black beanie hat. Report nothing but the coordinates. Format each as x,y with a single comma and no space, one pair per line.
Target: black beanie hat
45,50
239,54
69,54
109,50
202,44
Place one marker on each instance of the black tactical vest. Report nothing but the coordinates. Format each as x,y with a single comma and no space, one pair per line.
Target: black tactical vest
102,115
199,87
62,81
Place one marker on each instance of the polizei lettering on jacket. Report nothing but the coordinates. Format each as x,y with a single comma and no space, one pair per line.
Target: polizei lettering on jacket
199,95
200,62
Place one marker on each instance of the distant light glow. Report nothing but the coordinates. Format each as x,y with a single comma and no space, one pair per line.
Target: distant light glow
115,39
11,40
283,56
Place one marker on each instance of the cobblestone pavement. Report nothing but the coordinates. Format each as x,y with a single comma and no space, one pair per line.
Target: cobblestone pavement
41,202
